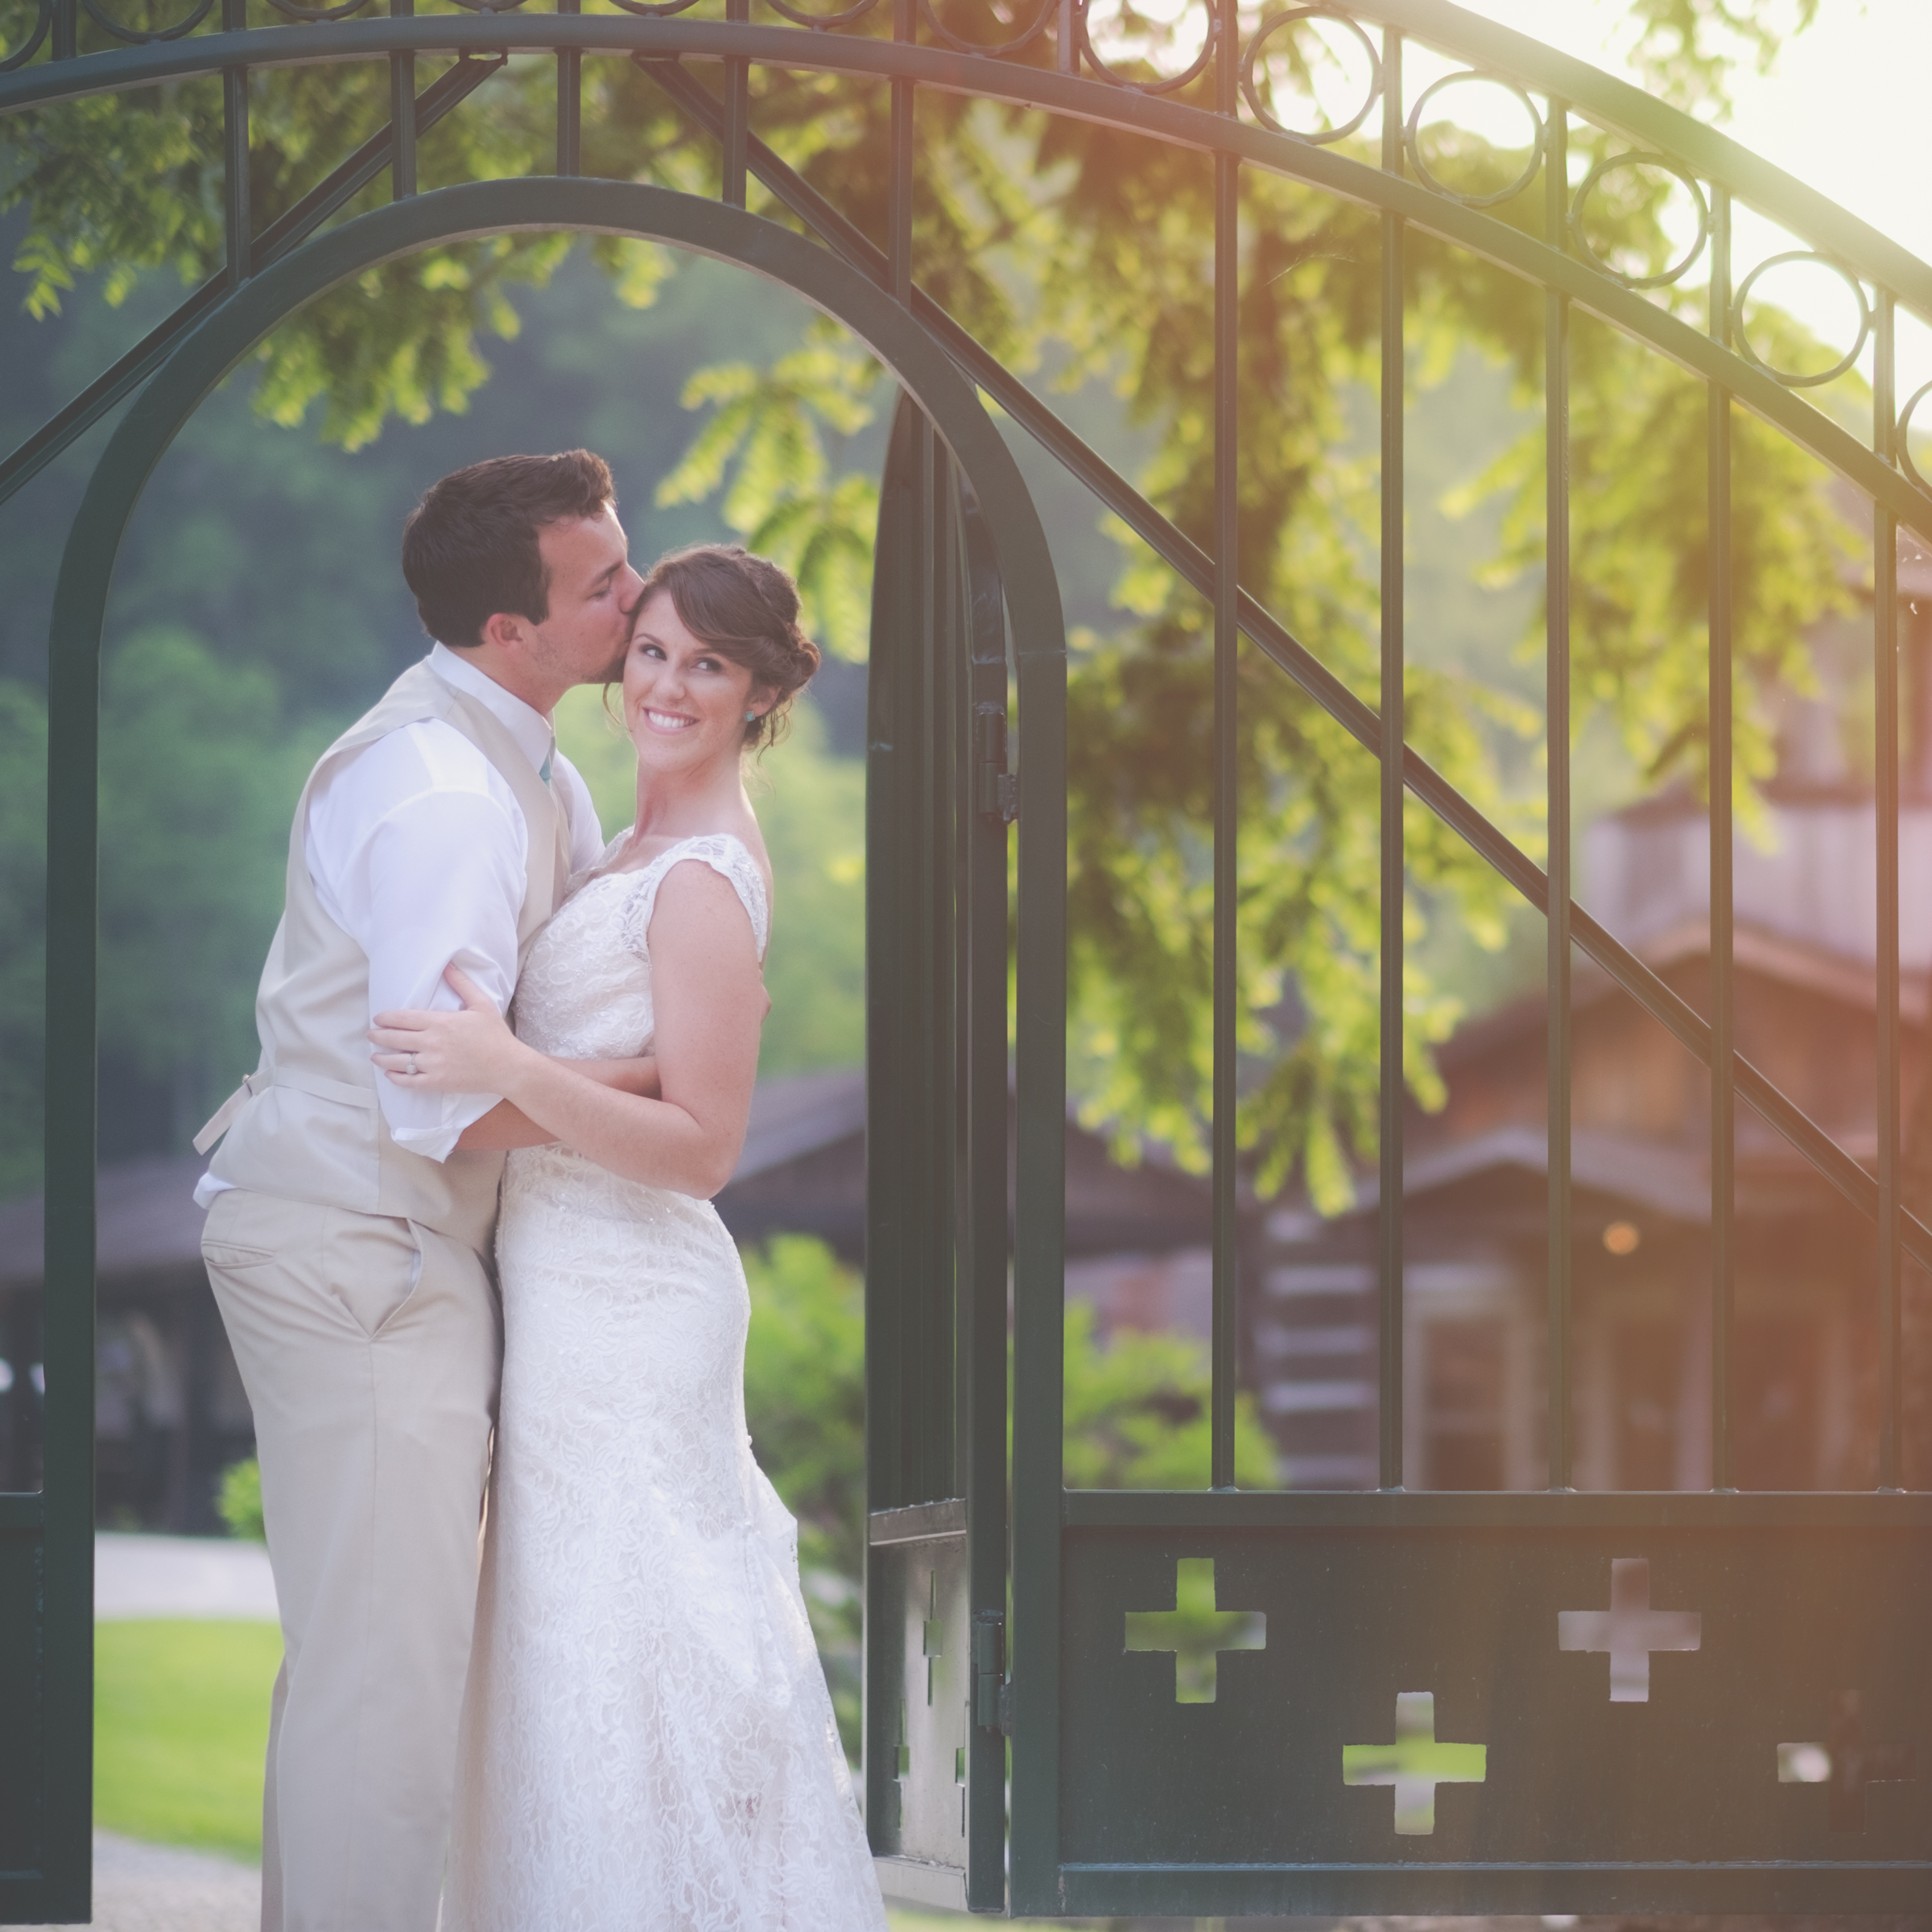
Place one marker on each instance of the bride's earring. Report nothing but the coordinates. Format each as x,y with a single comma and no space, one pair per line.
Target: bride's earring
751,718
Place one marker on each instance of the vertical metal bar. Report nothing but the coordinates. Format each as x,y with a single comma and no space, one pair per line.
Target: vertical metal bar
1556,398
737,113
71,1111
1039,1279
1063,51
570,111
939,1446
891,768
918,1121
1389,1210
64,43
984,1284
888,1234
1724,1106
1884,679
961,1181
1039,1237
899,198
402,113
234,151
1225,1366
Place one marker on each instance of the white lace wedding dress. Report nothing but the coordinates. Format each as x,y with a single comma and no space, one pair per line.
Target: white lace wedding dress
647,1743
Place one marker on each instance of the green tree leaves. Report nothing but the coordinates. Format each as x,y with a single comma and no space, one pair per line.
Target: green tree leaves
1137,1413
766,432
198,776
1064,244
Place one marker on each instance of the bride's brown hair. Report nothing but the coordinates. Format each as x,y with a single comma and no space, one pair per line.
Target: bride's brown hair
746,609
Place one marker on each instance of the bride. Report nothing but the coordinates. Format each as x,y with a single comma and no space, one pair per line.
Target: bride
647,1740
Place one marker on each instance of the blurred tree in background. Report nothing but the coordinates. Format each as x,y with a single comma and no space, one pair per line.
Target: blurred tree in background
257,607
1136,1418
1082,254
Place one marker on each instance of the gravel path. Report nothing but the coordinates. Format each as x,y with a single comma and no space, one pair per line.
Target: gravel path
198,1576
156,1888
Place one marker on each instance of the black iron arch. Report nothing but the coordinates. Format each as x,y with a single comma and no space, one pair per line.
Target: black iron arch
1021,562
1120,1803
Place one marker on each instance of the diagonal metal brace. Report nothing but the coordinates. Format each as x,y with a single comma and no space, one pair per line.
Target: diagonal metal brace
288,230
1360,720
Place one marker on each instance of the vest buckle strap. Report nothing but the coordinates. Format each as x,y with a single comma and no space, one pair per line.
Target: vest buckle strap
224,1117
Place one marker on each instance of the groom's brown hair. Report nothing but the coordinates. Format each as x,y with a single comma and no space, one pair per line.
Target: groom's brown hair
470,547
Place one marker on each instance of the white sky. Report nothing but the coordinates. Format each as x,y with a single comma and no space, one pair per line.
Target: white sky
1840,109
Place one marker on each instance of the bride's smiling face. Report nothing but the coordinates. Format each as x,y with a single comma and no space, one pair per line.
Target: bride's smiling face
684,702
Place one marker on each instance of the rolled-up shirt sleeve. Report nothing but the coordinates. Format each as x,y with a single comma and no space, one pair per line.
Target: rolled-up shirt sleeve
446,881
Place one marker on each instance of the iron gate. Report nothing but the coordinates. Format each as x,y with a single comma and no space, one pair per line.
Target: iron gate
1429,1643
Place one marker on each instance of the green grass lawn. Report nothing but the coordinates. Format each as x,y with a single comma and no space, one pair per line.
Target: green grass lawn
180,1726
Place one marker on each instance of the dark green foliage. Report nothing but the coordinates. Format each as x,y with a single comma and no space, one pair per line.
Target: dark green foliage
257,607
1137,1413
22,927
1086,250
196,767
1136,1418
239,1499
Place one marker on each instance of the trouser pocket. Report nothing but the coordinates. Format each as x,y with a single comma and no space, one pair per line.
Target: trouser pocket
372,1265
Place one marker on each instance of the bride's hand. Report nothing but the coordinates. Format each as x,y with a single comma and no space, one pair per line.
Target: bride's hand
472,1051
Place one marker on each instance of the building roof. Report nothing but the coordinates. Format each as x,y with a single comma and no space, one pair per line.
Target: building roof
147,1222
1667,1180
802,1169
1773,955
796,1114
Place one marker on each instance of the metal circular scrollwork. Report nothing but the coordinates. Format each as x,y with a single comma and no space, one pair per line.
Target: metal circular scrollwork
992,49
798,17
655,10
1272,24
24,53
490,7
1844,362
1085,46
1411,140
138,37
1636,157
295,11
1904,435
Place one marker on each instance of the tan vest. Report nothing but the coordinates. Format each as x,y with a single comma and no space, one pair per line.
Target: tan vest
305,1125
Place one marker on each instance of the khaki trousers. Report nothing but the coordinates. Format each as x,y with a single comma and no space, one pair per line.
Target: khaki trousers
369,1348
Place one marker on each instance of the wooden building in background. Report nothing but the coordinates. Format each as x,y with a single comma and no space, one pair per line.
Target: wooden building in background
1475,1199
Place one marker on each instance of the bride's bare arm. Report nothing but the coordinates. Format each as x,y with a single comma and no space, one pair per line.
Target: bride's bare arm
710,1002
505,1126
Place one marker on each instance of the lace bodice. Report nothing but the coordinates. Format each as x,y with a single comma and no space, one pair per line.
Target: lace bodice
585,988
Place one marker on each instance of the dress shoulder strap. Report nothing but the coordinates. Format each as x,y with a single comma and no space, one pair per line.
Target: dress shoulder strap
724,855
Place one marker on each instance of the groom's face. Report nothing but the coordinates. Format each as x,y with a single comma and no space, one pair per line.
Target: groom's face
593,590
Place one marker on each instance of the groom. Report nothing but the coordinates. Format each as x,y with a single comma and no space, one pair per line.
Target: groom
350,1221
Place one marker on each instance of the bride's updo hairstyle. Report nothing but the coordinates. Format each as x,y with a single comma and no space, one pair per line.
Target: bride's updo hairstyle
746,609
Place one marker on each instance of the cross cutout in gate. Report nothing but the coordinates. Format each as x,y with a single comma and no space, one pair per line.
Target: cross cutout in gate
1846,1763
1415,1764
1629,1630
1196,1630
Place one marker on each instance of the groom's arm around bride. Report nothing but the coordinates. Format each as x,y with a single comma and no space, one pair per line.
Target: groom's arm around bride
351,1221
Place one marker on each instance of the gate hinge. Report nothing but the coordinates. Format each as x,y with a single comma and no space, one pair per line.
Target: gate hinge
993,1694
998,789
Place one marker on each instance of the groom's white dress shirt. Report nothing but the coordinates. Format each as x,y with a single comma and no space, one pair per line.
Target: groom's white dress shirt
416,847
